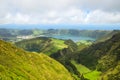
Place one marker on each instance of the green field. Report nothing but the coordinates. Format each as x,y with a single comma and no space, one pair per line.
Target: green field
86,72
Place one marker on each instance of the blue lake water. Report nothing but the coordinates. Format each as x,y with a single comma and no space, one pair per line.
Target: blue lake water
74,38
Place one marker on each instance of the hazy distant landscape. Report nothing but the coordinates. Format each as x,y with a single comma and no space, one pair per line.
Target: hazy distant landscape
73,34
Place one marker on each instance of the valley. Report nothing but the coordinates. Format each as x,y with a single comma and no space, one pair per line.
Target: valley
90,57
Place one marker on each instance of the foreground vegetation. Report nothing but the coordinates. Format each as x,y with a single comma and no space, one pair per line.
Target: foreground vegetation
17,64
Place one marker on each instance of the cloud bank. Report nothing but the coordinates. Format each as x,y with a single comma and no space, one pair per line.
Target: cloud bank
59,11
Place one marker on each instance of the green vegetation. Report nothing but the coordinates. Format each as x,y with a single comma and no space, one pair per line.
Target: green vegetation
42,44
93,75
37,32
12,34
17,64
81,68
85,60
57,44
104,57
61,50
66,56
84,42
107,36
87,73
74,32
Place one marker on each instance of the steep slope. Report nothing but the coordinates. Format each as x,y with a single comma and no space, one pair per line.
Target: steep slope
66,55
42,44
107,36
61,50
17,64
103,56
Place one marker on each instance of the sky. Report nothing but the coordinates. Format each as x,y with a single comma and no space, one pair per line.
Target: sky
59,11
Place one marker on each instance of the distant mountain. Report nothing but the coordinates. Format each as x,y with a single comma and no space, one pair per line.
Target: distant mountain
17,64
74,34
107,36
78,33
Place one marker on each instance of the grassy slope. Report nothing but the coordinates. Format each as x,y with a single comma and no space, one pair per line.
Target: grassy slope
107,36
66,55
57,44
17,64
105,57
41,44
86,72
85,42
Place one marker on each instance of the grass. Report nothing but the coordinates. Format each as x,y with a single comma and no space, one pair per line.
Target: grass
56,44
86,72
81,68
93,75
29,65
59,43
84,42
45,45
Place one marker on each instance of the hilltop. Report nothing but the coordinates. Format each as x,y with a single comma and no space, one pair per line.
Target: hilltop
46,45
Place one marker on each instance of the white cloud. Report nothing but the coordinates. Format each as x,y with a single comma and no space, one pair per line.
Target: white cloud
98,16
59,11
16,18
106,5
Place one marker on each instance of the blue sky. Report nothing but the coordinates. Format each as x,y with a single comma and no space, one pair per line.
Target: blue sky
59,11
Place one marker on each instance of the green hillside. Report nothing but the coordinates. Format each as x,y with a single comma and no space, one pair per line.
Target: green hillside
17,64
42,44
61,50
93,61
107,36
104,57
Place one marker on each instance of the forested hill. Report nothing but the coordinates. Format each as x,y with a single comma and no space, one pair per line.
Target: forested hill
46,45
103,56
17,64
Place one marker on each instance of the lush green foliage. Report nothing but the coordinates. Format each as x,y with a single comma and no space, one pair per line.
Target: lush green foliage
100,60
107,36
67,54
17,64
86,72
42,44
104,56
61,50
